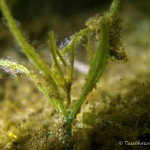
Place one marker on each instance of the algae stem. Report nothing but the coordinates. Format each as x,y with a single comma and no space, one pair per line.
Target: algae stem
97,67
21,69
26,48
114,9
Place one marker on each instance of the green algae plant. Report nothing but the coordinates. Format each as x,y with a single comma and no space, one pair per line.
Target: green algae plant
59,76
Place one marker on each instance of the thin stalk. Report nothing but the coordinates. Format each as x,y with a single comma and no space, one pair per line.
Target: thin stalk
30,51
72,57
53,47
97,67
61,58
114,9
21,69
70,71
63,110
68,96
90,51
26,48
95,72
63,61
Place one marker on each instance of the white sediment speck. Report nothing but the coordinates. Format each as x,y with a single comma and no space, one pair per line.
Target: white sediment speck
64,43
81,67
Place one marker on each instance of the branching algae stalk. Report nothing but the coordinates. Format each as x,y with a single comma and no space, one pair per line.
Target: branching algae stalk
108,42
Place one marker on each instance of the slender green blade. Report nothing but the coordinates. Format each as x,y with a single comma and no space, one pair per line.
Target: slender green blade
25,46
23,70
97,67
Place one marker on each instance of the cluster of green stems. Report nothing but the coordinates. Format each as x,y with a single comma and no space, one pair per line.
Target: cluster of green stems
60,75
